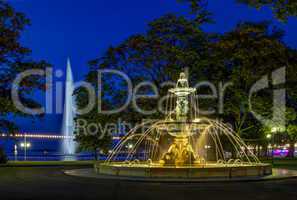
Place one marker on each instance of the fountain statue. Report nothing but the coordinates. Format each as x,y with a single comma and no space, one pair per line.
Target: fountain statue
184,144
181,151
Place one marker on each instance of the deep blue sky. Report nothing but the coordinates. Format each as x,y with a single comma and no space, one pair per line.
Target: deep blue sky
83,30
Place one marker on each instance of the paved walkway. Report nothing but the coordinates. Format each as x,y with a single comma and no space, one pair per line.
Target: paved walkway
277,174
51,183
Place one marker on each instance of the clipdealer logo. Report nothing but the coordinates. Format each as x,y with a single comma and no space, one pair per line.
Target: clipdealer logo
278,78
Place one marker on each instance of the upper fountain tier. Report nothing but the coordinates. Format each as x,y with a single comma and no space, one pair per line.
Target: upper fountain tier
182,120
182,91
182,88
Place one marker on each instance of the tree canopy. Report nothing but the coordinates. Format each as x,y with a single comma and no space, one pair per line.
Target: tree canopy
14,59
172,43
281,8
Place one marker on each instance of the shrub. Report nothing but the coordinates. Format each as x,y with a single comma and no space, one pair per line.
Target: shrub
3,157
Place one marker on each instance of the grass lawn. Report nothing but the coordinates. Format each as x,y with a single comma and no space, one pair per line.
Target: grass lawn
287,163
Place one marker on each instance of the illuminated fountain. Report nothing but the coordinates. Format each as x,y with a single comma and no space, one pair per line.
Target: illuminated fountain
183,145
68,126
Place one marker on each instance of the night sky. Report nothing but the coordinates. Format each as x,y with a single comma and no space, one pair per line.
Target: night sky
83,30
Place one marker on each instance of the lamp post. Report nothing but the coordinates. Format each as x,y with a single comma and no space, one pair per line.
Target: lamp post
15,152
25,145
273,131
268,136
207,147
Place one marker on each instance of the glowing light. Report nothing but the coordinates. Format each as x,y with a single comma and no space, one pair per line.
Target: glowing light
277,129
288,145
43,136
268,136
274,129
197,120
25,145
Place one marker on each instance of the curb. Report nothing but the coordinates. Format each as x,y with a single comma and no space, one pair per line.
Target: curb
78,173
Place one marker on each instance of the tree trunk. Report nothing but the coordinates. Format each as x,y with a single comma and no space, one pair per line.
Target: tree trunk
96,154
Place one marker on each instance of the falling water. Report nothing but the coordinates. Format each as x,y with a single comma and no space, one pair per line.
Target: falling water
68,145
183,138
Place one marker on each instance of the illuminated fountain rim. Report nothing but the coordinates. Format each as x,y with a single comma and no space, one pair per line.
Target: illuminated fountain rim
209,170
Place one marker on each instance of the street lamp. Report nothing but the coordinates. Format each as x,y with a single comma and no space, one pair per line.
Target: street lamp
207,147
15,152
273,131
268,136
25,145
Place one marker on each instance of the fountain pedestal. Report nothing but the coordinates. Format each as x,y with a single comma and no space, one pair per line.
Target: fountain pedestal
180,152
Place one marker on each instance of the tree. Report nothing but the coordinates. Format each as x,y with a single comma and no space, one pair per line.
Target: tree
98,140
171,44
14,59
251,51
243,56
291,131
94,143
281,8
157,56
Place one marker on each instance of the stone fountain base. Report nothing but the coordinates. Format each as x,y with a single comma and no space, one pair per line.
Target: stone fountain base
205,171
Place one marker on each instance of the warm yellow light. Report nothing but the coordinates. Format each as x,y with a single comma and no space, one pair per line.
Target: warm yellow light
197,120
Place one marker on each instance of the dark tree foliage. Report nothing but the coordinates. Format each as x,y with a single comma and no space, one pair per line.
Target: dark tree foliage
251,51
14,59
90,140
3,157
94,143
281,8
172,43
198,11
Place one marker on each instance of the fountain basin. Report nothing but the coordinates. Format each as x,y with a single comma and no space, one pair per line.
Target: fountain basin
199,171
